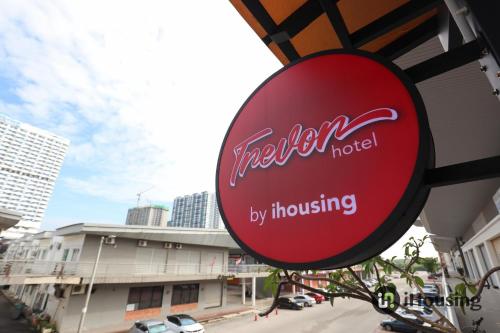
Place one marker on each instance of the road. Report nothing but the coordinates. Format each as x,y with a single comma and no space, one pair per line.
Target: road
345,316
7,324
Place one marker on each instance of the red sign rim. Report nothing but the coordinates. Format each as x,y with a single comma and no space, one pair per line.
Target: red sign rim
407,209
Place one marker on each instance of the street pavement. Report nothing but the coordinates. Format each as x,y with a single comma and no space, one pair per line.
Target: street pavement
9,325
345,316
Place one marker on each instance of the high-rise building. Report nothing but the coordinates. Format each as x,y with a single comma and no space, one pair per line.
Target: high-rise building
198,210
30,160
152,216
214,220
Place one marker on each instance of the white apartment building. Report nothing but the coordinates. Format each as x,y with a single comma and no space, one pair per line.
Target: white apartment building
152,216
30,160
198,210
143,273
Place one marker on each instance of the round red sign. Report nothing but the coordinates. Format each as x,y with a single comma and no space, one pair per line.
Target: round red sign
323,165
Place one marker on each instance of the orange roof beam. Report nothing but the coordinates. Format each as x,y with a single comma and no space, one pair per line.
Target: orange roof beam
295,28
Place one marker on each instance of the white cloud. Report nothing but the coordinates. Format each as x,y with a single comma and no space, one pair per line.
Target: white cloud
418,233
145,90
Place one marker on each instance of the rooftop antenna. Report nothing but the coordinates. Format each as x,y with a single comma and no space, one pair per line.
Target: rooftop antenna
140,193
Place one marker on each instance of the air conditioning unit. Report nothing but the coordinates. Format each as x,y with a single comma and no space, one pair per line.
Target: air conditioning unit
142,243
78,290
178,246
168,245
110,240
59,291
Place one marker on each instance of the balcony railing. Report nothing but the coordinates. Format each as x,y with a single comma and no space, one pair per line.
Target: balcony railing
106,269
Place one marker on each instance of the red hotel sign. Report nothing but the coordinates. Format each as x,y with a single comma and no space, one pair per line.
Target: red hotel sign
323,165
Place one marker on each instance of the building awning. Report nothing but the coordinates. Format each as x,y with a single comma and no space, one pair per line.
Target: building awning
193,236
9,218
292,29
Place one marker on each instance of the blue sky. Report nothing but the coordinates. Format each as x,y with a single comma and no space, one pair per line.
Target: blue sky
145,94
142,104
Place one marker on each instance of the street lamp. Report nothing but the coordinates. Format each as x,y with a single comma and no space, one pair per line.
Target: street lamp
91,284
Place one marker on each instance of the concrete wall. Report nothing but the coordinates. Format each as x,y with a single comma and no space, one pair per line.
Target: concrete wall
485,216
107,307
153,257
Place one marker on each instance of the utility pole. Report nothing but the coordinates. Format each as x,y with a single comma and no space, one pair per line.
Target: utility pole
91,284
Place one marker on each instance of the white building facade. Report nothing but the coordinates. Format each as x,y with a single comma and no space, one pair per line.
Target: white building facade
30,161
144,273
152,216
198,210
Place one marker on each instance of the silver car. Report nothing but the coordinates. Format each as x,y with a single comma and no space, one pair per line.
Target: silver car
182,323
304,299
149,326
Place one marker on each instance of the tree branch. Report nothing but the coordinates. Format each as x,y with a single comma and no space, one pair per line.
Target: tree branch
376,272
363,285
275,301
420,327
441,316
314,290
345,286
366,299
482,282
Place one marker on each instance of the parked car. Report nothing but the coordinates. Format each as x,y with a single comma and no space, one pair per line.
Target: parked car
430,291
422,311
326,291
317,297
368,283
431,287
183,323
289,303
399,326
150,326
304,299
434,276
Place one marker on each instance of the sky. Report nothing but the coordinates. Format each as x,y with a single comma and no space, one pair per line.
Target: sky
145,91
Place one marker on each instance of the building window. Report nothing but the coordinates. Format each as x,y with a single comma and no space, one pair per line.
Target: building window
185,294
477,273
486,265
65,254
144,298
74,255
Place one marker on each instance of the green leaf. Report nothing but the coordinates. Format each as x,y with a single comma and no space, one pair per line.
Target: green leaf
460,289
331,288
391,285
419,281
472,289
272,281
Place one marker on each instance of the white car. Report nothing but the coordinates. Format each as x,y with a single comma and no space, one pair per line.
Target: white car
183,323
304,299
423,312
431,287
369,283
149,326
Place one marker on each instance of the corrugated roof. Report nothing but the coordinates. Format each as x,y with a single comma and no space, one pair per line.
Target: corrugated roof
292,29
